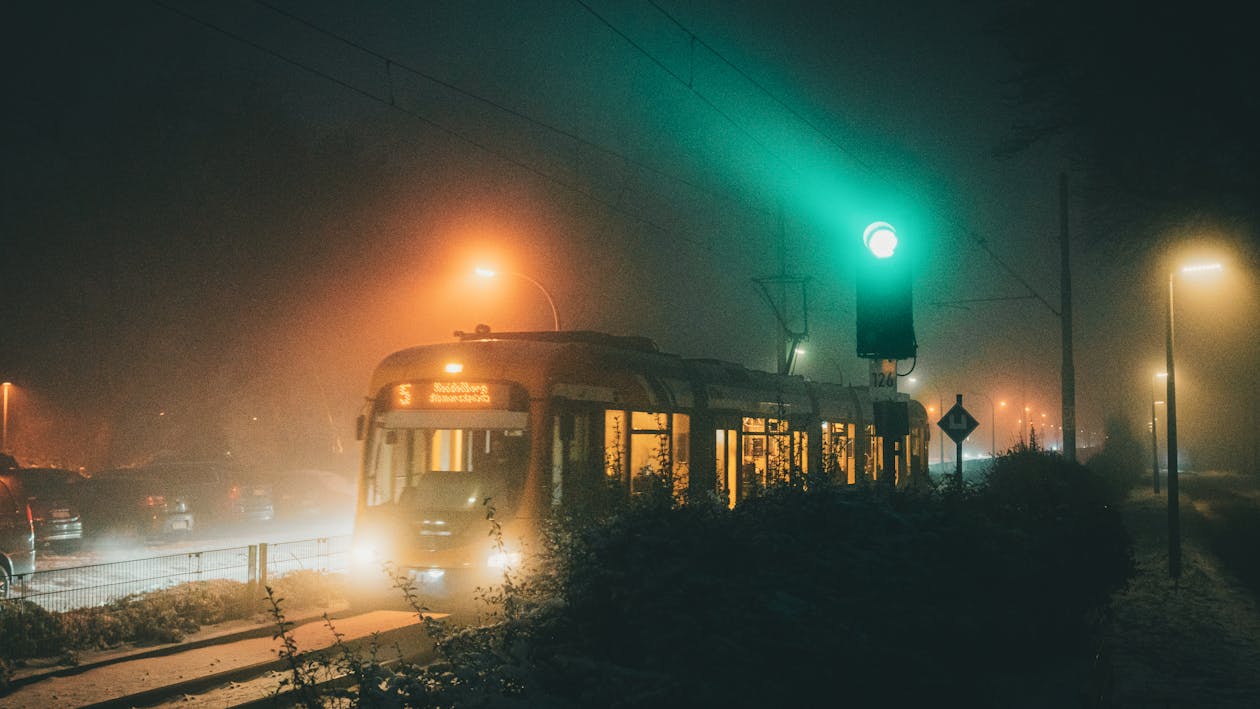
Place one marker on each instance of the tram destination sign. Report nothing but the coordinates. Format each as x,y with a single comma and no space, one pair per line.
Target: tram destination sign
447,394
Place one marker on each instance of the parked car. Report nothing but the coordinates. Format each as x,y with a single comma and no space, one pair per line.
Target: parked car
219,492
17,532
54,496
313,494
131,502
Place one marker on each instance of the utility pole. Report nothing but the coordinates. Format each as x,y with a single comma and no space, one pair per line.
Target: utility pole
1069,369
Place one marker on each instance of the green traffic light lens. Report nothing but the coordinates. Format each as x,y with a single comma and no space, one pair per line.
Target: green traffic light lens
881,239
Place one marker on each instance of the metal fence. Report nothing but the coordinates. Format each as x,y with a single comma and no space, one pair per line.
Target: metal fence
98,584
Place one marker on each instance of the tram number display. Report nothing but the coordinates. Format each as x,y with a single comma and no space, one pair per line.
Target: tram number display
446,394
883,379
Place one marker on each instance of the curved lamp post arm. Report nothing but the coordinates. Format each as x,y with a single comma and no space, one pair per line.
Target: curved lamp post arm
555,314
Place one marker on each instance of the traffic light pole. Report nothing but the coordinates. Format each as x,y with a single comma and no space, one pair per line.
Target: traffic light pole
885,334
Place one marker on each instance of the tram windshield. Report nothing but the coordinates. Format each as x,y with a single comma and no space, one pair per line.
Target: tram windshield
445,468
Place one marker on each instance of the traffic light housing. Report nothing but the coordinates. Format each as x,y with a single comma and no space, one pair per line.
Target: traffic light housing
885,316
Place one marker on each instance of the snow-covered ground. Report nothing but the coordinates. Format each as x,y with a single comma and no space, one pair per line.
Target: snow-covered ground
1194,642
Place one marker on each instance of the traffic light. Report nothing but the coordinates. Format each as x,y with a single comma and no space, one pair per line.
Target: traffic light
885,317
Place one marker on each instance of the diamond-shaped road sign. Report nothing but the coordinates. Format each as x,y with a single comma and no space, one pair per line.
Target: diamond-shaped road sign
958,423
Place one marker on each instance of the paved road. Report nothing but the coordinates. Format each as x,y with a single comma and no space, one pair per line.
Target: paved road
220,668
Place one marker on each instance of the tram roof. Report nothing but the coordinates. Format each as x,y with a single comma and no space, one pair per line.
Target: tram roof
534,357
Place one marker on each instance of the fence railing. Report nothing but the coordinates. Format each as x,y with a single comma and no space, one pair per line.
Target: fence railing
98,584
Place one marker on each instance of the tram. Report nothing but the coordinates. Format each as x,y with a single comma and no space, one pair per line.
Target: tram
534,422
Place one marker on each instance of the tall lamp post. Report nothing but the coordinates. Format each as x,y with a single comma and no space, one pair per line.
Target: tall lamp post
555,315
1174,512
1155,436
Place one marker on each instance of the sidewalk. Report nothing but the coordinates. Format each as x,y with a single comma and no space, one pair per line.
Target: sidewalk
220,656
1195,643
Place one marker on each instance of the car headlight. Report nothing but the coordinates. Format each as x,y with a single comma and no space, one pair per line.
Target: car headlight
365,553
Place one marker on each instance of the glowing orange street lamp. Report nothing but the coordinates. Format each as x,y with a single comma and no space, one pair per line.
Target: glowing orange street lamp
491,273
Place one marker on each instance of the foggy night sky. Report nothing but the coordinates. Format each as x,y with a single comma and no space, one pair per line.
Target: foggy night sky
210,237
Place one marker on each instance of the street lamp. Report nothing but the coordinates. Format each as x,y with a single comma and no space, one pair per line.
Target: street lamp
1005,431
1174,512
555,315
1154,435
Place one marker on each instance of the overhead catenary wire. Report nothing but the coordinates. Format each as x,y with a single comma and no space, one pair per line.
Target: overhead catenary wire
391,62
391,102
970,233
689,84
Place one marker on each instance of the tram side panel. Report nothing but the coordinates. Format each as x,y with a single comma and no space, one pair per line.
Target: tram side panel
596,427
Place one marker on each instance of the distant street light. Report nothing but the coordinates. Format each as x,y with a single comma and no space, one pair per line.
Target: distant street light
1174,512
1006,432
491,273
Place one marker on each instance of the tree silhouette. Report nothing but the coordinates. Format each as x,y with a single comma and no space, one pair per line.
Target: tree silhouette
1152,100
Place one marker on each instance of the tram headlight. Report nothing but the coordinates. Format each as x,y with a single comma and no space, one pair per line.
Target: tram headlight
365,553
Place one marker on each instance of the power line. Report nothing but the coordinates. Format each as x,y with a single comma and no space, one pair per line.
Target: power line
391,103
516,113
700,41
962,228
688,84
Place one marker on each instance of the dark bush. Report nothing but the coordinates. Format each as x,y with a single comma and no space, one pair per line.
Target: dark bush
807,596
29,631
1124,461
1068,549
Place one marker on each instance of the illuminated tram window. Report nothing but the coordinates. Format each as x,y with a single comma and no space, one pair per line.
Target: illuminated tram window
837,451
656,447
614,444
768,455
681,454
448,452
727,460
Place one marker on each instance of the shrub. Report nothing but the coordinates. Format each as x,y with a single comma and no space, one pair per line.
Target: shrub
29,631
803,596
1066,548
157,617
1123,462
